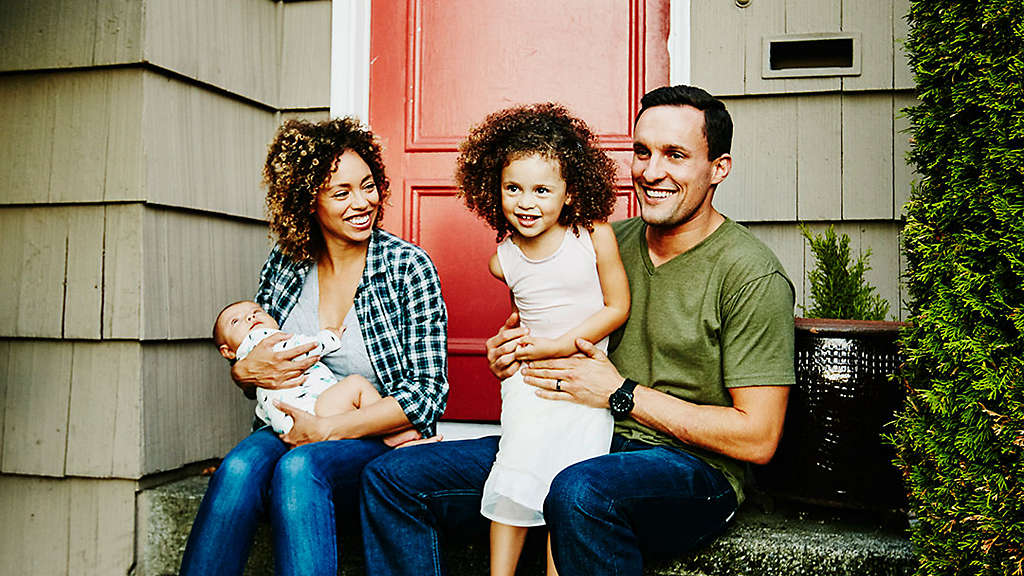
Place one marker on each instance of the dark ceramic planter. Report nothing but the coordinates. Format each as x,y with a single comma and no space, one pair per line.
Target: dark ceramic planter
832,451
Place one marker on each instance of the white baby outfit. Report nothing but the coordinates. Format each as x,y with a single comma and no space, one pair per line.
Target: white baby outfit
318,377
539,437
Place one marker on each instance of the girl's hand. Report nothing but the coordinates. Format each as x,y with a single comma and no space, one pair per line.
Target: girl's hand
265,367
501,348
531,348
307,428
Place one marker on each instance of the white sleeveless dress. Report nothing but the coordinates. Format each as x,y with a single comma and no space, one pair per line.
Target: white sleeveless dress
540,438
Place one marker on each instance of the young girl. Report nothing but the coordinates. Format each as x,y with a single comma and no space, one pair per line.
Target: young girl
537,176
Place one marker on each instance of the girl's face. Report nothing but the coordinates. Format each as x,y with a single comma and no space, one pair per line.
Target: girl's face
532,196
346,206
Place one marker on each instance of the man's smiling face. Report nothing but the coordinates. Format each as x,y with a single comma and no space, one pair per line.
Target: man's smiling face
672,176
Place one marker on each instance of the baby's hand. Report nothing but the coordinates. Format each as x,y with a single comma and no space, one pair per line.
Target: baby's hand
330,339
531,348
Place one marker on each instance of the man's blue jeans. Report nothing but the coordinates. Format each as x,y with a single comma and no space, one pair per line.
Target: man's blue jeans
605,514
298,489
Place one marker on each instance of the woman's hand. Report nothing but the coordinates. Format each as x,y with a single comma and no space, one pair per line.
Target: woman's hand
307,428
587,378
501,348
265,367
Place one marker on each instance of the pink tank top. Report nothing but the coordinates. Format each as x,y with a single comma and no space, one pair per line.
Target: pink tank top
557,293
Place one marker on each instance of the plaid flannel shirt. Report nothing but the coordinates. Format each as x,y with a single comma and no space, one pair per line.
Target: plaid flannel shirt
401,315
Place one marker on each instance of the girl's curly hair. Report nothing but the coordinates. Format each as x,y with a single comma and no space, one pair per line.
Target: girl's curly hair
552,132
299,163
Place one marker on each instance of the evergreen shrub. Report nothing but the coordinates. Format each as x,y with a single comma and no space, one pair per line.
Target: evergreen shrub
838,286
960,438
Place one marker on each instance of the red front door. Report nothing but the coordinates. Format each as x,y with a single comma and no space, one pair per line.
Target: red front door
437,68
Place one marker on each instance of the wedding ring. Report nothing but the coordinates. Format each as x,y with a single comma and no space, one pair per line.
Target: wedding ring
558,386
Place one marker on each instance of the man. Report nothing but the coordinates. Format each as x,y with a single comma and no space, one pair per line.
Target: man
697,380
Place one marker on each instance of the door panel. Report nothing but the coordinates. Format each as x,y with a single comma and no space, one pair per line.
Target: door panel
473,57
439,67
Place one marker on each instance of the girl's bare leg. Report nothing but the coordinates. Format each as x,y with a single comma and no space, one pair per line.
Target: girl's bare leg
551,560
506,545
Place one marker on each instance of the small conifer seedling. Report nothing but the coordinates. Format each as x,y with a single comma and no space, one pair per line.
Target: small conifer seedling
838,286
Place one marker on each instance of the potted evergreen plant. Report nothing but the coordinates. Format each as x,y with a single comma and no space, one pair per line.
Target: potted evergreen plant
832,450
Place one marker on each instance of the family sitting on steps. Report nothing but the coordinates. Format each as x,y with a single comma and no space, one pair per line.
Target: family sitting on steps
645,362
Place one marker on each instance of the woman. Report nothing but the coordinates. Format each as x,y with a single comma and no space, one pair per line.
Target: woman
331,267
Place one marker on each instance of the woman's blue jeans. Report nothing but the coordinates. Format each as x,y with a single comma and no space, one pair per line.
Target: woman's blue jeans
299,490
604,514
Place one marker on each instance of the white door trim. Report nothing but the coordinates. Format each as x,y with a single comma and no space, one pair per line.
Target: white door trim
679,42
350,59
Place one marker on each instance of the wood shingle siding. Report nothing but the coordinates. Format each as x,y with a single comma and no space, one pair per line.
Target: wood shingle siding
191,410
54,34
819,157
197,265
867,156
71,136
66,526
130,211
77,408
726,44
38,374
104,420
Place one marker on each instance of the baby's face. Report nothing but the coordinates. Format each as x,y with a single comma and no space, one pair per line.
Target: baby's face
239,319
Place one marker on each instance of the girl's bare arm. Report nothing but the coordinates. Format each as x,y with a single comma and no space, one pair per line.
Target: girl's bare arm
613,314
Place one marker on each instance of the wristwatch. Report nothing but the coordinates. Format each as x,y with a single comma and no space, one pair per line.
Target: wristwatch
621,401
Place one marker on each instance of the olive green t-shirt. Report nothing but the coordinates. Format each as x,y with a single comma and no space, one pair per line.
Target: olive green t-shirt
718,316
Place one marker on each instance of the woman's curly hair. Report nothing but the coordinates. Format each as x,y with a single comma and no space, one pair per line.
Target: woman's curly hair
552,132
299,163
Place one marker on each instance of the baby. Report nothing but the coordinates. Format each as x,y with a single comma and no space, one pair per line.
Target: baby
242,325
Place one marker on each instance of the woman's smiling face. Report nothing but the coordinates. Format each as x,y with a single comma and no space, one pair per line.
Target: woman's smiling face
346,206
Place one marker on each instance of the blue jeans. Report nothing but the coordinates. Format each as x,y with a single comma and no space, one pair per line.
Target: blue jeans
604,514
297,489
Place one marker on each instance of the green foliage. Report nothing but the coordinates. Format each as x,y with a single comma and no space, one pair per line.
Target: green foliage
838,287
960,439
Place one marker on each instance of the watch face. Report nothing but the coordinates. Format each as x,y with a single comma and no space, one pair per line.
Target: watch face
620,403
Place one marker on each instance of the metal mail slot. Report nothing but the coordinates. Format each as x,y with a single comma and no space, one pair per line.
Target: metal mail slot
811,55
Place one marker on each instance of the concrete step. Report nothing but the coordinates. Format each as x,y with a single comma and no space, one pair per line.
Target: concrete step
783,542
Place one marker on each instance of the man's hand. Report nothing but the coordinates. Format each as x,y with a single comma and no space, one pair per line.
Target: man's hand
585,378
265,367
501,348
307,428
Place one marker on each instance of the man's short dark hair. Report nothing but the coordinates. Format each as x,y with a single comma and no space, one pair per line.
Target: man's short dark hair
717,122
